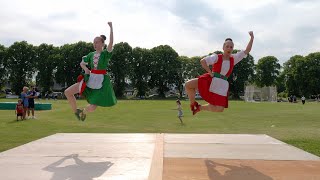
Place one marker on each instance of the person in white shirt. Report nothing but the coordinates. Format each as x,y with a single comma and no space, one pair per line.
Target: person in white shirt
213,86
303,99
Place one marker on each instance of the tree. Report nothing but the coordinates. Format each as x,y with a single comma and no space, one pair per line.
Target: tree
140,66
3,62
302,77
290,71
195,67
267,71
21,65
163,70
243,73
183,72
119,66
190,68
47,57
302,74
280,82
68,65
311,74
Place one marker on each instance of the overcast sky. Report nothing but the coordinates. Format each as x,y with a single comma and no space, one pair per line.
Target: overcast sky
282,28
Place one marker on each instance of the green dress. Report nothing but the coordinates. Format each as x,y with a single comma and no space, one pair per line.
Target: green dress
105,95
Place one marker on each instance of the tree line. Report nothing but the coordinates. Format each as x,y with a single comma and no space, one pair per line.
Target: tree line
144,69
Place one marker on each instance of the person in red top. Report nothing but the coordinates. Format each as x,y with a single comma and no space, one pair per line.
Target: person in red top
19,109
213,86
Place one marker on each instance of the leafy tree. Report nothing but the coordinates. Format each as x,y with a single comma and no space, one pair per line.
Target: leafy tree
68,65
301,74
47,57
140,73
190,68
3,63
184,72
119,66
21,65
290,71
312,74
267,71
280,83
243,73
163,68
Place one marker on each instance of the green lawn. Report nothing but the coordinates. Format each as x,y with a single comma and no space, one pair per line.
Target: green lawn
295,124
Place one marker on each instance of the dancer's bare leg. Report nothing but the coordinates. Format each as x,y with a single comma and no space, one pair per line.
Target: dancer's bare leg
90,108
180,118
212,108
69,93
191,87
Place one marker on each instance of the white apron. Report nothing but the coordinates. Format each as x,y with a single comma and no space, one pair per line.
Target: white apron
219,86
95,81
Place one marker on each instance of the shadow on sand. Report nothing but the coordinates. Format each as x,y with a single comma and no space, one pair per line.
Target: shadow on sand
233,172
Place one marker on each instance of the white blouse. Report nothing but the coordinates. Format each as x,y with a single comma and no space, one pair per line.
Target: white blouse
212,59
96,57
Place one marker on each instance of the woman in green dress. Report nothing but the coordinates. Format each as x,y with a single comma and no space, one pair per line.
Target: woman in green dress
95,85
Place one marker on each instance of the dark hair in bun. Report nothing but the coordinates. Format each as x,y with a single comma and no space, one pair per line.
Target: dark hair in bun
228,39
103,37
178,101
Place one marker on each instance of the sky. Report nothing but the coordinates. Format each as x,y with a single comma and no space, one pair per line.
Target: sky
282,28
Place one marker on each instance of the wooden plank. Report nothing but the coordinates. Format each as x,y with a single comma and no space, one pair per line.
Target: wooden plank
156,169
215,169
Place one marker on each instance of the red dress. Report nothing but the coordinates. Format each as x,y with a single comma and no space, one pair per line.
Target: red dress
204,82
19,109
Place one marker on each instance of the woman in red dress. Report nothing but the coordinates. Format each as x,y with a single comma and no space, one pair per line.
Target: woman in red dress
213,86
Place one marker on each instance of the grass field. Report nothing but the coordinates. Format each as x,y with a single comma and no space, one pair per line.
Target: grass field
295,124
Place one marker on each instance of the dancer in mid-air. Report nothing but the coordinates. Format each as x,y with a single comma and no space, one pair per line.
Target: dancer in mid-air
95,84
213,86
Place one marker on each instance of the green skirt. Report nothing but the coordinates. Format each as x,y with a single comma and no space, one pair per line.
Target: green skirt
104,96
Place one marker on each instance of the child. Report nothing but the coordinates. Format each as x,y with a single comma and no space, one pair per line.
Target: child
95,85
19,109
213,86
180,113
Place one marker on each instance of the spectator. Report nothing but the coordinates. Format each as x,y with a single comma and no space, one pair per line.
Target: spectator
32,95
19,110
303,99
25,101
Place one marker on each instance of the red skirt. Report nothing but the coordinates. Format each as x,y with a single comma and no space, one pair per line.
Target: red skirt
204,82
